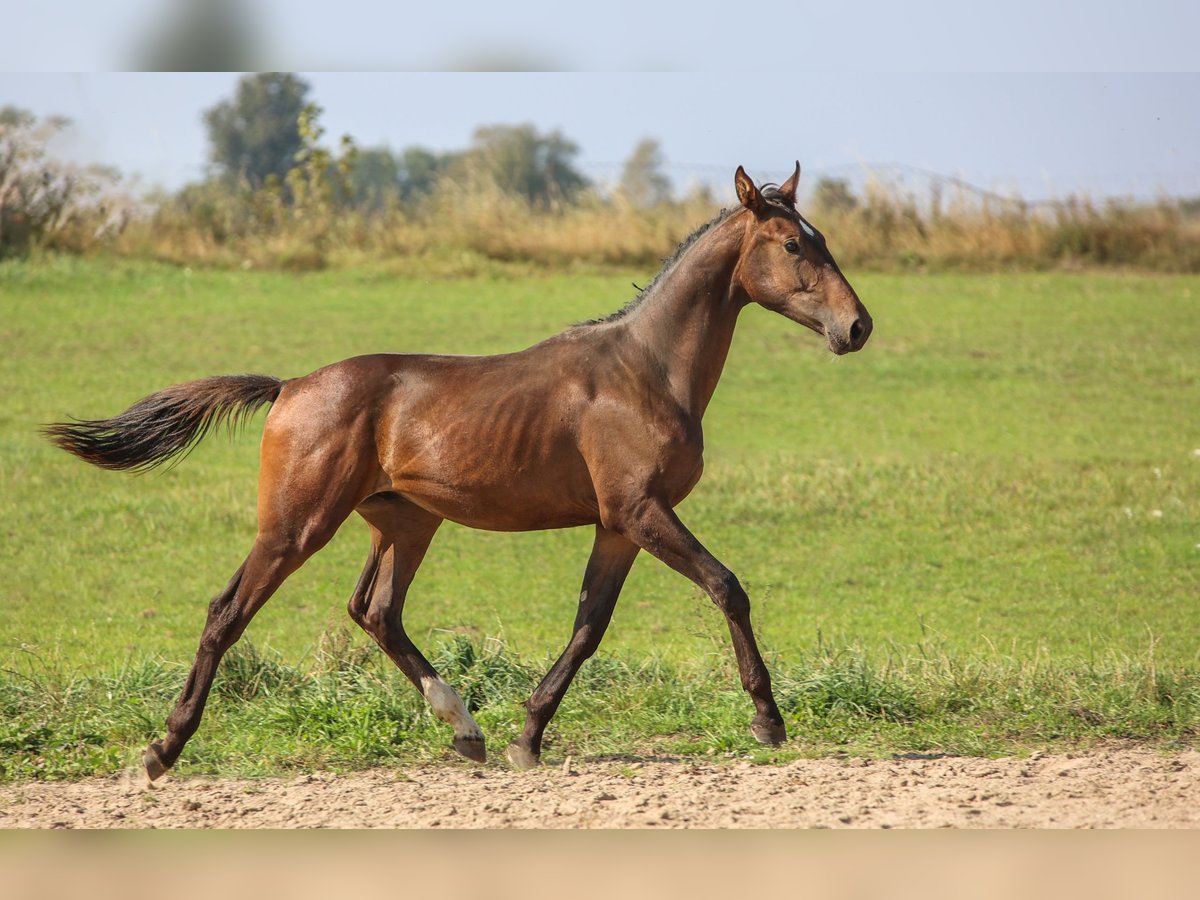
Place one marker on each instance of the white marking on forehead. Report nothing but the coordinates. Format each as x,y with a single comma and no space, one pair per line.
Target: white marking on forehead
583,596
808,229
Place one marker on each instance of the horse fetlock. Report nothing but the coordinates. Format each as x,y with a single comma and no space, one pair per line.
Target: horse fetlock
472,747
521,757
757,683
766,732
448,706
152,759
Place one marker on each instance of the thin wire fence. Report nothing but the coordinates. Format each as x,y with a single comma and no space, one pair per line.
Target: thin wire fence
919,183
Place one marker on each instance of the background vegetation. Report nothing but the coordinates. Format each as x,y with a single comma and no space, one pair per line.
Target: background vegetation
982,535
276,197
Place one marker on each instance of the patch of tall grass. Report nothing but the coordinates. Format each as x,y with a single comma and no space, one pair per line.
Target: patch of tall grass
226,227
348,709
458,228
891,229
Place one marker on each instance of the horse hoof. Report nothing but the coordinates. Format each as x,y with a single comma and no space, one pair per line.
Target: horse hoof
472,748
522,758
152,760
770,733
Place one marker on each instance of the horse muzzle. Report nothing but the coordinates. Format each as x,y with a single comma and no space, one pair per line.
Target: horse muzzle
851,338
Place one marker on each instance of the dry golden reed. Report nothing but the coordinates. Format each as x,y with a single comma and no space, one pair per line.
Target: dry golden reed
461,227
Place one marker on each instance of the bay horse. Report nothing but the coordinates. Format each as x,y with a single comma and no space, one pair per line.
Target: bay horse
598,425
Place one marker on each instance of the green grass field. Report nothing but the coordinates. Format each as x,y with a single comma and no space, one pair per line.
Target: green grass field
981,533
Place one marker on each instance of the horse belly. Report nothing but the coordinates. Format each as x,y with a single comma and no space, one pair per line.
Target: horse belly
517,504
497,478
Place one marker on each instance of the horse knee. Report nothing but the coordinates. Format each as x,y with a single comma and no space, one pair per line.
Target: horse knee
373,624
730,596
224,616
381,620
587,641
359,605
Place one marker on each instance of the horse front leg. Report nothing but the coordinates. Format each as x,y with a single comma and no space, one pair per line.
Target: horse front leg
612,556
653,525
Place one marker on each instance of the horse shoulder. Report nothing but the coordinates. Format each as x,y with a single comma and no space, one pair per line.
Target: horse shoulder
639,444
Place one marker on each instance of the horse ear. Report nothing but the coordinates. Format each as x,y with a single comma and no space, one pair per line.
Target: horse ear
788,188
747,192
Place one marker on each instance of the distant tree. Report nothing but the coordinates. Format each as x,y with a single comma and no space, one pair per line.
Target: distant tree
39,195
643,180
381,176
517,159
375,180
256,134
420,170
834,195
14,117
319,180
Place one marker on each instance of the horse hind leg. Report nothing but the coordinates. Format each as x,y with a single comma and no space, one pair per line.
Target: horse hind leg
297,517
400,535
270,562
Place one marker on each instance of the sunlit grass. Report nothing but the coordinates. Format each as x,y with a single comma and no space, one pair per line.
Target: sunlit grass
350,711
1006,473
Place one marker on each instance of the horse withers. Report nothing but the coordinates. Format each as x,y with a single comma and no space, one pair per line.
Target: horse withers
598,425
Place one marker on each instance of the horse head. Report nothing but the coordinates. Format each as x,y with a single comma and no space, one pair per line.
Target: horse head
785,266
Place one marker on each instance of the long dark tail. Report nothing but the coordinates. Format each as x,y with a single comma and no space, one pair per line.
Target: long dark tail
167,425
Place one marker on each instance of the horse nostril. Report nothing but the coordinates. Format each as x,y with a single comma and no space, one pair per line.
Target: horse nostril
856,332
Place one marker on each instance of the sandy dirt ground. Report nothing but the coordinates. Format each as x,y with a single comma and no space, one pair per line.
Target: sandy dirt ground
1118,788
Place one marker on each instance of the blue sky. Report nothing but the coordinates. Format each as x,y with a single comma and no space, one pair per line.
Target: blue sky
779,36
1039,97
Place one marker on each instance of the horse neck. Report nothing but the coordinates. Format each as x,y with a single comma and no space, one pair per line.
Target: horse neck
686,322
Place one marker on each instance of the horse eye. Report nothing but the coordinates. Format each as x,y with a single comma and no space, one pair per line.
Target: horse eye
791,245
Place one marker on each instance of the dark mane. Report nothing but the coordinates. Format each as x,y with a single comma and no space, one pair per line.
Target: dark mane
770,193
667,265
